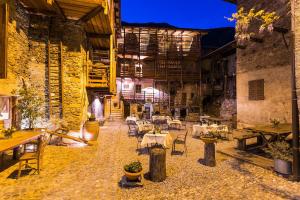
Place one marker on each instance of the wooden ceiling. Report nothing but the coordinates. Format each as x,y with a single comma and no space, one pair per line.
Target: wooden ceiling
95,14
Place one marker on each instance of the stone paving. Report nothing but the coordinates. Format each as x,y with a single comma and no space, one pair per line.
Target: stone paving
94,172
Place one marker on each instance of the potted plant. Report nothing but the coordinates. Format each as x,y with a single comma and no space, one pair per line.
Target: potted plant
275,122
8,132
133,170
92,117
282,155
29,104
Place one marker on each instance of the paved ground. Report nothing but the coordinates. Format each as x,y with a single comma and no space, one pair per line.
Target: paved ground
95,172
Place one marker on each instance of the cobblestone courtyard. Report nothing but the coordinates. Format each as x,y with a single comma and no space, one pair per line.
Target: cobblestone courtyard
94,172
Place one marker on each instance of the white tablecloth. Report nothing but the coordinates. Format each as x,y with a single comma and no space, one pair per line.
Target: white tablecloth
199,130
174,122
131,119
162,139
142,126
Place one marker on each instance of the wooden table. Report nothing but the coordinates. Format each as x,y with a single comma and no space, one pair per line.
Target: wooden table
280,132
18,138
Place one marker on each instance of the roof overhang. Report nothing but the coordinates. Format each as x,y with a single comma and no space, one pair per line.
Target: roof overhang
231,1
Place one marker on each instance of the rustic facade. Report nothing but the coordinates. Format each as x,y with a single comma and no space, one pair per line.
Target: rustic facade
52,52
266,60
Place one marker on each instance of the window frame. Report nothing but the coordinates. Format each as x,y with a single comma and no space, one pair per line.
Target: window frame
3,39
256,90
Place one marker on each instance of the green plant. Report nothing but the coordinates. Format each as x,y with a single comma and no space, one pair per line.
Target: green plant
280,150
134,167
29,103
92,117
8,132
275,122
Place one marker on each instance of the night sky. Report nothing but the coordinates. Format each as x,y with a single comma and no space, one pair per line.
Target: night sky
180,13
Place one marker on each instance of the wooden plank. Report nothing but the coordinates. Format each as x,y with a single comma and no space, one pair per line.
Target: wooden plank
98,35
248,157
4,15
70,137
91,14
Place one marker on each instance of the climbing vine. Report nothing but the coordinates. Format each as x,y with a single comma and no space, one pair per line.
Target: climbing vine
244,19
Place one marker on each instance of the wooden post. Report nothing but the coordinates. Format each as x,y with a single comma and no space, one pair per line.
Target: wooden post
158,170
209,154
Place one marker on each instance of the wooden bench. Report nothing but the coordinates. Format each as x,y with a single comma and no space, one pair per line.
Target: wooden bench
242,136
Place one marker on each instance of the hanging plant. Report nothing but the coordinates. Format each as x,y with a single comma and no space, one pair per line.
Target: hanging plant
244,19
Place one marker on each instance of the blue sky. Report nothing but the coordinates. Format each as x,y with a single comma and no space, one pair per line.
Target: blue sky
181,13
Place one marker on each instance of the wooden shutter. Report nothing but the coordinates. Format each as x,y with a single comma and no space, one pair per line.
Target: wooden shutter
3,38
256,90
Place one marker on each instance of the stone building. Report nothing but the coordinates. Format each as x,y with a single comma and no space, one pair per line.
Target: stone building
218,70
161,62
264,70
62,48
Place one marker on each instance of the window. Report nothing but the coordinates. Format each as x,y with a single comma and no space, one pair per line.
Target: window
126,86
256,90
4,108
3,38
138,89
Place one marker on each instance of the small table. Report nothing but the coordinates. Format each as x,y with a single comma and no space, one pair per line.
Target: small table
19,138
163,139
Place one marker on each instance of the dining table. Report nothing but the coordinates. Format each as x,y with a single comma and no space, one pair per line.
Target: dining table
18,138
164,138
270,133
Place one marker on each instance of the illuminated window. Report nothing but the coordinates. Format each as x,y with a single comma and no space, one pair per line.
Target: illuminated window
4,108
126,86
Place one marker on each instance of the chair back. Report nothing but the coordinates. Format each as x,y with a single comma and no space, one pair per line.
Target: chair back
42,143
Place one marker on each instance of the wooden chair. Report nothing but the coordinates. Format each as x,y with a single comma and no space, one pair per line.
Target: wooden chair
139,138
34,156
180,139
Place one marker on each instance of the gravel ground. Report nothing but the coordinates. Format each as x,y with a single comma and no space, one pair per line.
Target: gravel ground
94,172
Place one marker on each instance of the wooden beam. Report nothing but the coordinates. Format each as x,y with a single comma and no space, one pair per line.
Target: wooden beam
4,15
98,35
59,10
91,14
40,11
281,30
256,39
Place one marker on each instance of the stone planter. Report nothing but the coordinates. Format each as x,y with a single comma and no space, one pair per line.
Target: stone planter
132,176
282,166
209,151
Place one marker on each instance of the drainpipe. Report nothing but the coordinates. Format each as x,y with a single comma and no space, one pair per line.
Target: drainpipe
295,111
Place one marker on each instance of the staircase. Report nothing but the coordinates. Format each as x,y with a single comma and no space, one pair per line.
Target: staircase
116,114
55,78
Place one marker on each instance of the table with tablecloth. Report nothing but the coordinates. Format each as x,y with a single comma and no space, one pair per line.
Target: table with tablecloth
131,119
174,123
144,126
164,139
199,130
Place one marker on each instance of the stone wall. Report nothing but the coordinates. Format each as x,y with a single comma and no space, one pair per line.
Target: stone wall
270,61
27,59
297,46
18,51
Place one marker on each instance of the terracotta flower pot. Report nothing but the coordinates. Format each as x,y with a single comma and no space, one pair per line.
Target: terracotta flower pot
132,176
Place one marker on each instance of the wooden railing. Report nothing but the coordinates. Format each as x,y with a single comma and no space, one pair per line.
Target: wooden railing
97,76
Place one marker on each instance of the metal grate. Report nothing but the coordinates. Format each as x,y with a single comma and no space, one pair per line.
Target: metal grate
256,90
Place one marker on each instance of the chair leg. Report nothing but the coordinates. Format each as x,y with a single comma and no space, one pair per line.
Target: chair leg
39,166
19,170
